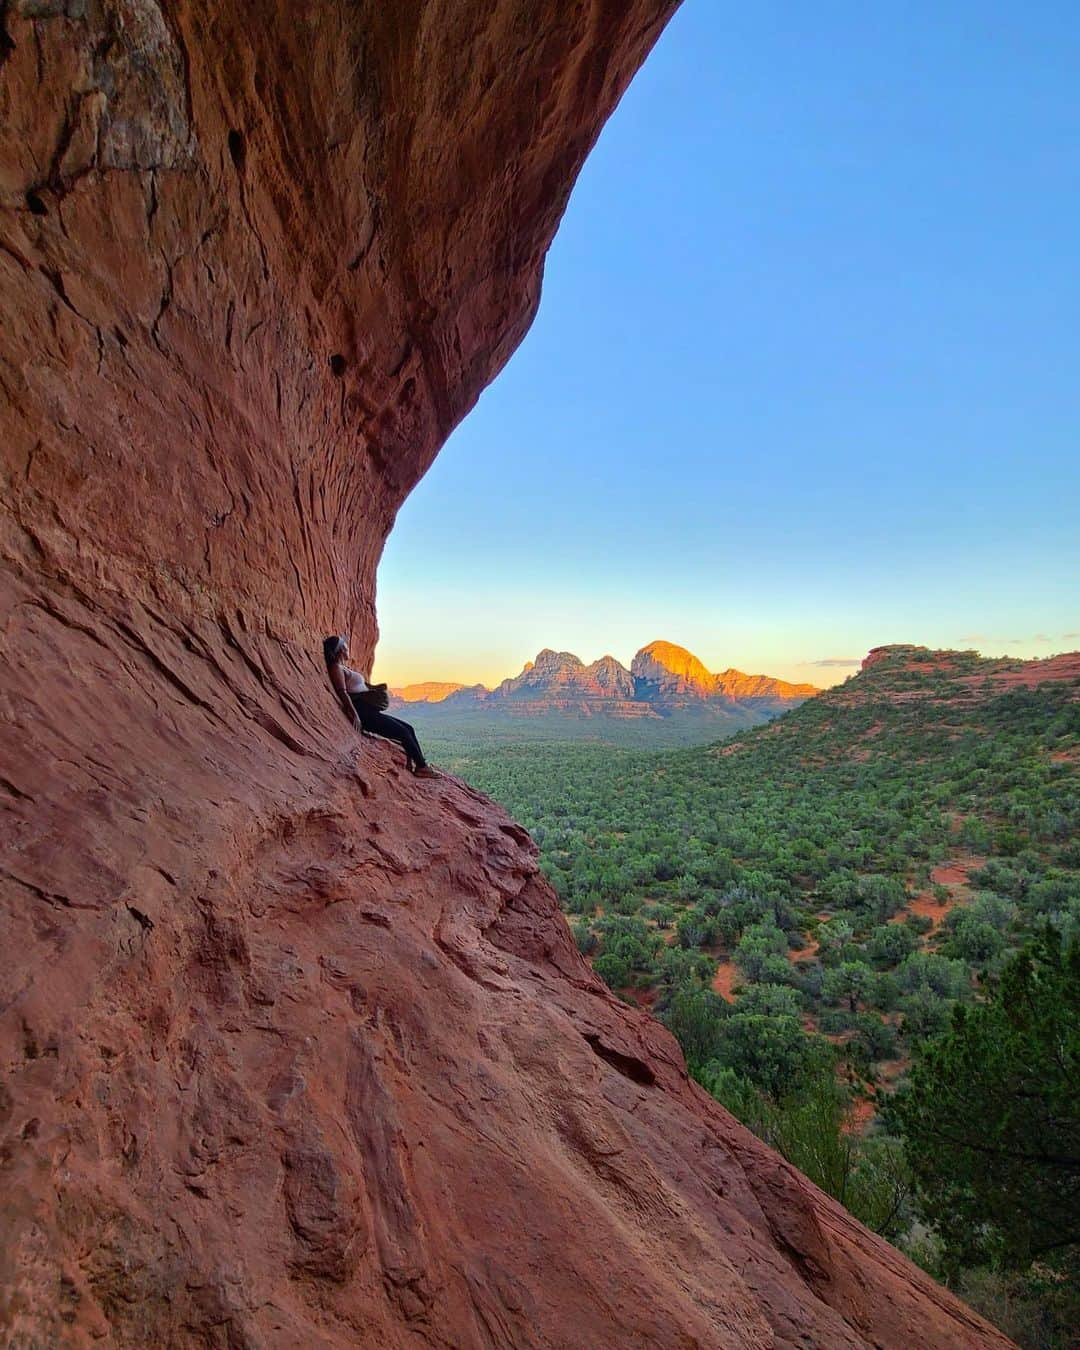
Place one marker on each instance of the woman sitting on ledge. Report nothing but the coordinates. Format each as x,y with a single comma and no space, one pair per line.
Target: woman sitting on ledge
362,711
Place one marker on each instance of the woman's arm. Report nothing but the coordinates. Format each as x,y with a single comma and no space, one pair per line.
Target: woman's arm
337,679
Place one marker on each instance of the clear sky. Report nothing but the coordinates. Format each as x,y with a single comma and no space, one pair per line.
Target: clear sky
806,373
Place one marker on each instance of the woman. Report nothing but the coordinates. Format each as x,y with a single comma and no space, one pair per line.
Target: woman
349,685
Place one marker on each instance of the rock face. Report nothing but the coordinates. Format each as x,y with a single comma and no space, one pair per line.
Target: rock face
664,671
670,671
561,676
297,1050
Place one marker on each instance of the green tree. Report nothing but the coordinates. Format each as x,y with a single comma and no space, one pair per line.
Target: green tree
925,1013
695,928
869,1176
771,1000
759,942
694,1016
991,1116
584,936
890,943
774,1053
614,970
972,939
849,981
834,933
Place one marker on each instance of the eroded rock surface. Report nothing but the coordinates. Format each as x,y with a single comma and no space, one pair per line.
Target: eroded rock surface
296,1050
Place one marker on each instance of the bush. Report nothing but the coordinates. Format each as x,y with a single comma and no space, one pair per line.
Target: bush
694,1017
939,974
890,943
694,928
848,983
971,939
924,1014
774,1053
768,1000
613,970
758,943
584,936
873,1040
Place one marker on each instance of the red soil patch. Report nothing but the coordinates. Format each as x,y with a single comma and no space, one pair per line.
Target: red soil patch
838,1037
955,873
724,980
954,877
927,907
804,953
860,1114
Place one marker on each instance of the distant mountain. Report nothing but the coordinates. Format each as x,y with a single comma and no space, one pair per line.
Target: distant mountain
664,682
431,691
663,671
563,679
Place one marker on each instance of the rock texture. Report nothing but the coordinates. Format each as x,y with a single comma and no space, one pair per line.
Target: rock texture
296,1050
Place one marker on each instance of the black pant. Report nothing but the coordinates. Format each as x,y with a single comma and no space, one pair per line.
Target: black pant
393,728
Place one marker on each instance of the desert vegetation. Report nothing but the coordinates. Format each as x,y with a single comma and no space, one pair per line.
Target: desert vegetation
861,922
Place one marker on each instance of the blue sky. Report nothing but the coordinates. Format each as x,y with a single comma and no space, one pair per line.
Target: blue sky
805,377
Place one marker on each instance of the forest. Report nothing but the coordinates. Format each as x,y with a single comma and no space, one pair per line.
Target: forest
862,923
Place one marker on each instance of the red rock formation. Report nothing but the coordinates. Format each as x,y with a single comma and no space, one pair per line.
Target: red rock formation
963,675
556,674
430,691
297,1050
673,672
739,685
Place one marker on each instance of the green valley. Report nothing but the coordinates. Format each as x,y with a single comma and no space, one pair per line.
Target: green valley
808,904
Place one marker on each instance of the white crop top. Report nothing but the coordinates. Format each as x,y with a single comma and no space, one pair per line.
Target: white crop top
354,681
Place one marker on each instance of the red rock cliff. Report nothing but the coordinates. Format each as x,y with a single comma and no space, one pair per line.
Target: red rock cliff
295,1055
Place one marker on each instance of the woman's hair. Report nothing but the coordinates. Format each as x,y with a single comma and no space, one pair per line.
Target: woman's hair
331,646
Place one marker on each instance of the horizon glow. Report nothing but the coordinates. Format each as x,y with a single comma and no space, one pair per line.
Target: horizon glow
803,377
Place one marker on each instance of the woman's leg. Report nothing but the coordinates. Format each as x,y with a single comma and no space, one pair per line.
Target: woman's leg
406,737
394,729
